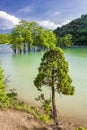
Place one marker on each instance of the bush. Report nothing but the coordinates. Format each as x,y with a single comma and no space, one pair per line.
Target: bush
21,106
46,118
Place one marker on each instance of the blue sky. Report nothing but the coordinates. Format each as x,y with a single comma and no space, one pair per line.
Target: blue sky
48,13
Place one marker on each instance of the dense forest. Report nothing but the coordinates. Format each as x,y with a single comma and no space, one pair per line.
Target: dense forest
77,28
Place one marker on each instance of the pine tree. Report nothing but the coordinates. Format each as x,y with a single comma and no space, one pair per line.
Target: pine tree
53,72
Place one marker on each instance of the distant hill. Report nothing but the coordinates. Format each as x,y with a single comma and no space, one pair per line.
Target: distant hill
78,29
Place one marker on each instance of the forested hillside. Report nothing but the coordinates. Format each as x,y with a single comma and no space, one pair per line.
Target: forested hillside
78,29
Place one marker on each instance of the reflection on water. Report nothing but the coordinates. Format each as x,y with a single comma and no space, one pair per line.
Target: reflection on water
22,70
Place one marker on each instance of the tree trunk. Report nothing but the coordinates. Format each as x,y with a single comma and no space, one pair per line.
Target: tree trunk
19,47
34,49
19,50
54,110
39,48
14,50
44,48
28,47
24,48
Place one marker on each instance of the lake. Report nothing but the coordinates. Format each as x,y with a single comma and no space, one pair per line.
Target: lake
22,69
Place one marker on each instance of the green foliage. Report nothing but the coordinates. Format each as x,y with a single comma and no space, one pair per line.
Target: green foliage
64,41
53,72
45,104
45,111
4,38
30,34
21,106
54,66
46,38
3,96
35,111
16,39
23,35
81,128
12,97
46,118
7,99
24,107
77,28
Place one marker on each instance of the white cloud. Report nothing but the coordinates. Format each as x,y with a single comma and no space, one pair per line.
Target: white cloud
51,25
48,24
7,21
66,22
26,9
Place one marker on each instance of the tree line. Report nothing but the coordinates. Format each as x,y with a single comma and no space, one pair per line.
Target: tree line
4,38
30,35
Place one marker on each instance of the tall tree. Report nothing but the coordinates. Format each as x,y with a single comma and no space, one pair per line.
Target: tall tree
26,34
16,39
36,29
53,72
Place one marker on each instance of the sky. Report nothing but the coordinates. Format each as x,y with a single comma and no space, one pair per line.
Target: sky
48,13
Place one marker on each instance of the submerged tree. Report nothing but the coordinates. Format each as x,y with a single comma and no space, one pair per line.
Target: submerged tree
53,72
27,35
46,39
16,39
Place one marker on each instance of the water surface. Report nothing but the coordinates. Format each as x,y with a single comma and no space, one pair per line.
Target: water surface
22,70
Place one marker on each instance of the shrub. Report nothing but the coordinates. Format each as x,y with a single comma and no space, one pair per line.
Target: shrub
81,128
7,99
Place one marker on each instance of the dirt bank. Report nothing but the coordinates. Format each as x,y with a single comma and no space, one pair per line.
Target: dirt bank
19,120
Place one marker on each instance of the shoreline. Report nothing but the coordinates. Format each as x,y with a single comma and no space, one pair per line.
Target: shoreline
66,120
76,46
11,119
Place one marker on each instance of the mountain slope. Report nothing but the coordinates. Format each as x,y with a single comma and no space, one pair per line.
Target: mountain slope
78,29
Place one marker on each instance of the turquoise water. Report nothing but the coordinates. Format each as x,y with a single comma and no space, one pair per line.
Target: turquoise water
22,70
